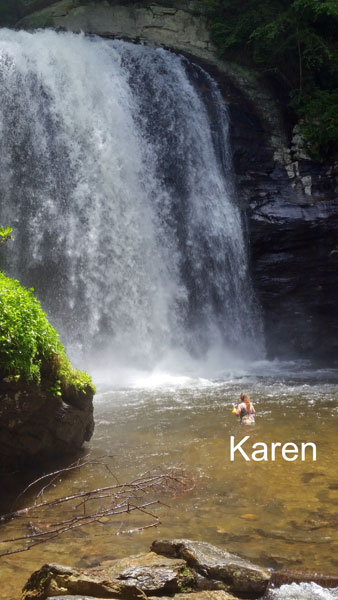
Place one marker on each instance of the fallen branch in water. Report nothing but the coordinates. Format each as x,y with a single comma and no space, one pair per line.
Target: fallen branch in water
83,508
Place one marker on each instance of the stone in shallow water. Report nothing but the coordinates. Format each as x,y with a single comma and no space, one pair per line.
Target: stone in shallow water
239,575
122,578
151,573
150,559
218,575
53,580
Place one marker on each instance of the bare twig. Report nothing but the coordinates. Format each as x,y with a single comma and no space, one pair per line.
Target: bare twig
88,507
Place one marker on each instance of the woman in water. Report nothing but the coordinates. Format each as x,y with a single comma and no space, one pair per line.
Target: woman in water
245,410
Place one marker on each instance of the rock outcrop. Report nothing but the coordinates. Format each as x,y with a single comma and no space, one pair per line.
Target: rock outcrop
36,425
291,205
238,575
295,265
193,571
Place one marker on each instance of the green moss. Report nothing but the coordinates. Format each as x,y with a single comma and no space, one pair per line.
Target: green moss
185,581
30,347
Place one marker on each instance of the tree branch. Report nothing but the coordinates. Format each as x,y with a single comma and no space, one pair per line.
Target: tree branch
88,507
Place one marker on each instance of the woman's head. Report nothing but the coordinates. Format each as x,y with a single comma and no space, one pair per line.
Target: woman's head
245,398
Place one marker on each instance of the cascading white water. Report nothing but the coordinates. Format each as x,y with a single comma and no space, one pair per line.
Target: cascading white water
303,591
116,177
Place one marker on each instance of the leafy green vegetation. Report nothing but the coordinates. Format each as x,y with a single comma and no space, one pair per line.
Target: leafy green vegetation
5,234
30,348
295,44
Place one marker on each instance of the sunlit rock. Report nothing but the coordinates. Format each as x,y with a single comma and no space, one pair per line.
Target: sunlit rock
238,574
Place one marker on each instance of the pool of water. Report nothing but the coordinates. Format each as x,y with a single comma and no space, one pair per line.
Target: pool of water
279,514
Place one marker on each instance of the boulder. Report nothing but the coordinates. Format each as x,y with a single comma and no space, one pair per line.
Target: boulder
36,425
149,573
179,569
239,575
153,574
53,580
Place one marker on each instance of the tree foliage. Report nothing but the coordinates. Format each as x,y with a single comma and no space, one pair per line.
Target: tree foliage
5,234
10,11
296,43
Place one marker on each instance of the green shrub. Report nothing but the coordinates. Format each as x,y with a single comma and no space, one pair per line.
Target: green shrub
319,119
10,11
29,346
5,234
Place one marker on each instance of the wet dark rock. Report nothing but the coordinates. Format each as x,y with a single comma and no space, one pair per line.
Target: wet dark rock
295,270
239,575
35,425
291,205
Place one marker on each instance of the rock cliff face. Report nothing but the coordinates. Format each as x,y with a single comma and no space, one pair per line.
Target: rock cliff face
290,202
292,219
35,425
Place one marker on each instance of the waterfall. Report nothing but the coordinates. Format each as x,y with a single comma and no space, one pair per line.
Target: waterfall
116,178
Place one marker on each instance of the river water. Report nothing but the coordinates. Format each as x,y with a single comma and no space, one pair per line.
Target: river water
278,514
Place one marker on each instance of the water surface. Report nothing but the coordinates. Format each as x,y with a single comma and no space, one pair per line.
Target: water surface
279,514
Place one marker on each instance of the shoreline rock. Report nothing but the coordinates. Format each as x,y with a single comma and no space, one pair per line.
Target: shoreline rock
239,575
37,426
193,571
175,569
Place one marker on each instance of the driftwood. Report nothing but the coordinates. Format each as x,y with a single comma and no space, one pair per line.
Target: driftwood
280,578
86,507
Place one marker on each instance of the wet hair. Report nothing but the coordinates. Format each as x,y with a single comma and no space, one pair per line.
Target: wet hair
245,398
